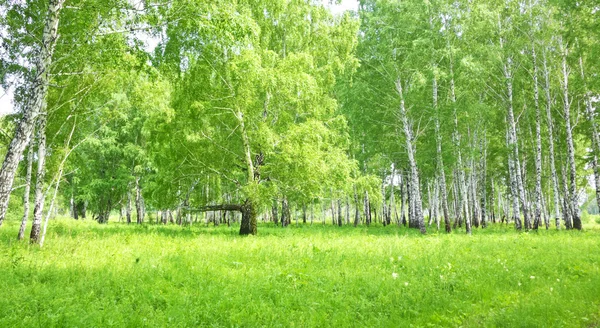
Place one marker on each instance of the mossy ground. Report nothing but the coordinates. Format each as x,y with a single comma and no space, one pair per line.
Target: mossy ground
91,275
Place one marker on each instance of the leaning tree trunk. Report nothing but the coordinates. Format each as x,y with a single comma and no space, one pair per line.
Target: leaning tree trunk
574,199
35,105
550,123
26,193
38,208
415,188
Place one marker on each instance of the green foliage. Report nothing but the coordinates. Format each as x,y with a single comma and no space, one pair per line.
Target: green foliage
309,276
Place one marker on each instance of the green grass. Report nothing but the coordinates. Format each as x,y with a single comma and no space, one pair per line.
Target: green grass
90,275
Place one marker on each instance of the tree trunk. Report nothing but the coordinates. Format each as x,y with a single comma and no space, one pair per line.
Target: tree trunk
356,208
483,201
26,193
39,183
574,199
139,201
367,209
248,223
550,124
595,138
402,201
274,212
35,106
384,211
285,212
128,205
537,215
339,206
415,188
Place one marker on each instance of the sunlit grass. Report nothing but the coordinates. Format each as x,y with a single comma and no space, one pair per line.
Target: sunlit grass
91,275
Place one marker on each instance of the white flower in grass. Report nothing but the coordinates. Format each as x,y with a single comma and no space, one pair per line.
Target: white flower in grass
394,275
532,277
519,283
406,283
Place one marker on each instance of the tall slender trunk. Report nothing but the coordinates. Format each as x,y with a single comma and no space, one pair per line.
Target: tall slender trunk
34,107
26,193
39,183
537,216
517,191
550,124
415,187
440,158
574,199
462,190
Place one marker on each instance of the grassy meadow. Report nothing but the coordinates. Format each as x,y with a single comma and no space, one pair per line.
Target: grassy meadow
114,275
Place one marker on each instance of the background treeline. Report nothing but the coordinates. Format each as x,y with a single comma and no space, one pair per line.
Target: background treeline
433,114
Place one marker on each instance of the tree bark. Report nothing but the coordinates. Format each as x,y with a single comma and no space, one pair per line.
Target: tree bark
39,183
26,193
139,201
415,188
537,216
550,124
574,199
34,107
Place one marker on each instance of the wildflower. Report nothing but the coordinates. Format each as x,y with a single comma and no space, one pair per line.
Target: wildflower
519,283
394,275
406,283
532,277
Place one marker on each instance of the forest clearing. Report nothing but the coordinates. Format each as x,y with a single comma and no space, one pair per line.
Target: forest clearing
302,276
309,163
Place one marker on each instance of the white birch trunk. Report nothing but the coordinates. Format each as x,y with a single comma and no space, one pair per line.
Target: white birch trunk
35,105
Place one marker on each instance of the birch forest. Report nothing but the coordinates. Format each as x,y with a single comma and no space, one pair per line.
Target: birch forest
394,128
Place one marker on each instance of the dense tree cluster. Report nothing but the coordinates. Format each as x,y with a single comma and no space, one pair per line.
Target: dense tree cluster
458,113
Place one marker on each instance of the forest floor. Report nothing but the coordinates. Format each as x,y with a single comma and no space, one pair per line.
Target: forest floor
91,275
